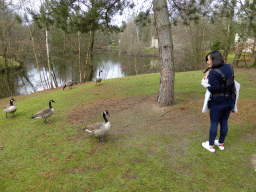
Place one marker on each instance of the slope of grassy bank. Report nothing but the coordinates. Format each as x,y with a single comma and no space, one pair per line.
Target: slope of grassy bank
59,156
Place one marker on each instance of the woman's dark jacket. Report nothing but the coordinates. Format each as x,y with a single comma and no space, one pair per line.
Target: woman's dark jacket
216,80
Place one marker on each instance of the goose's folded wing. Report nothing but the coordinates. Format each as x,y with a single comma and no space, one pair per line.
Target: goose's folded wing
95,126
7,106
10,109
42,112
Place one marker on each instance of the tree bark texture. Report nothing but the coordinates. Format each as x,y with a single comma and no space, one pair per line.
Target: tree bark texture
48,57
167,72
79,57
239,50
237,57
254,63
37,63
88,74
227,47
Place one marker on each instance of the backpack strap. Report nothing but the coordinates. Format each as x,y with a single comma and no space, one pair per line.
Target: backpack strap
233,78
222,75
227,82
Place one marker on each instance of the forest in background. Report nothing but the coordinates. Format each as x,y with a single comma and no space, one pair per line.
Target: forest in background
67,27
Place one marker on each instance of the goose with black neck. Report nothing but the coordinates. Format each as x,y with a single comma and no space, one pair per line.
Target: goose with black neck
45,113
10,108
100,129
98,79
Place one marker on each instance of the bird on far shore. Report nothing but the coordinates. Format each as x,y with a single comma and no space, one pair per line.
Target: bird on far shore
98,79
69,84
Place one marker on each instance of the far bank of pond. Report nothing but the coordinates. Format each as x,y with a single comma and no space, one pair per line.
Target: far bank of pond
113,64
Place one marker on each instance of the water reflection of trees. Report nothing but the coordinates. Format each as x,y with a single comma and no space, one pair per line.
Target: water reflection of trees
14,82
129,65
66,67
6,84
113,63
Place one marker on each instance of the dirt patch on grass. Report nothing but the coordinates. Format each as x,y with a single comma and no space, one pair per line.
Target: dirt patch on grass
140,114
138,117
137,122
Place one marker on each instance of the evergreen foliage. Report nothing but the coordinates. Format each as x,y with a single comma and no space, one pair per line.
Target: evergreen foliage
186,11
44,18
91,15
143,19
216,45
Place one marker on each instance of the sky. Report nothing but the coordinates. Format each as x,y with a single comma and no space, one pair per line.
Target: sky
141,5
25,3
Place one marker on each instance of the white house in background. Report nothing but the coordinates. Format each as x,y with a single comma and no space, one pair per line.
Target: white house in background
249,45
154,42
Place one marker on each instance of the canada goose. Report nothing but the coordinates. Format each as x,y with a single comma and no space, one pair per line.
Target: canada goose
45,113
101,128
70,84
98,79
10,108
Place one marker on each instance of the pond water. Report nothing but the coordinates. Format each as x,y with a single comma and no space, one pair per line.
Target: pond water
113,64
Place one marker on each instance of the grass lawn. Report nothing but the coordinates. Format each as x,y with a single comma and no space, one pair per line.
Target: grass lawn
150,50
148,149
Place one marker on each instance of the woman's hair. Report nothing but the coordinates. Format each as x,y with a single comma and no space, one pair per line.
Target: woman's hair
217,59
209,68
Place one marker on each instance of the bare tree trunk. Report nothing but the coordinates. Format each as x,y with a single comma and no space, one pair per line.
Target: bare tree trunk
79,56
163,27
37,63
237,57
48,57
87,59
88,74
5,52
253,48
45,79
227,43
254,63
135,66
64,48
239,50
54,77
137,33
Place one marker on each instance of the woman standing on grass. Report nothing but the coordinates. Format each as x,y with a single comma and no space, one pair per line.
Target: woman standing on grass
222,101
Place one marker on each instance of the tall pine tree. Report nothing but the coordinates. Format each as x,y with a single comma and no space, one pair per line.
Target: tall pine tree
87,17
